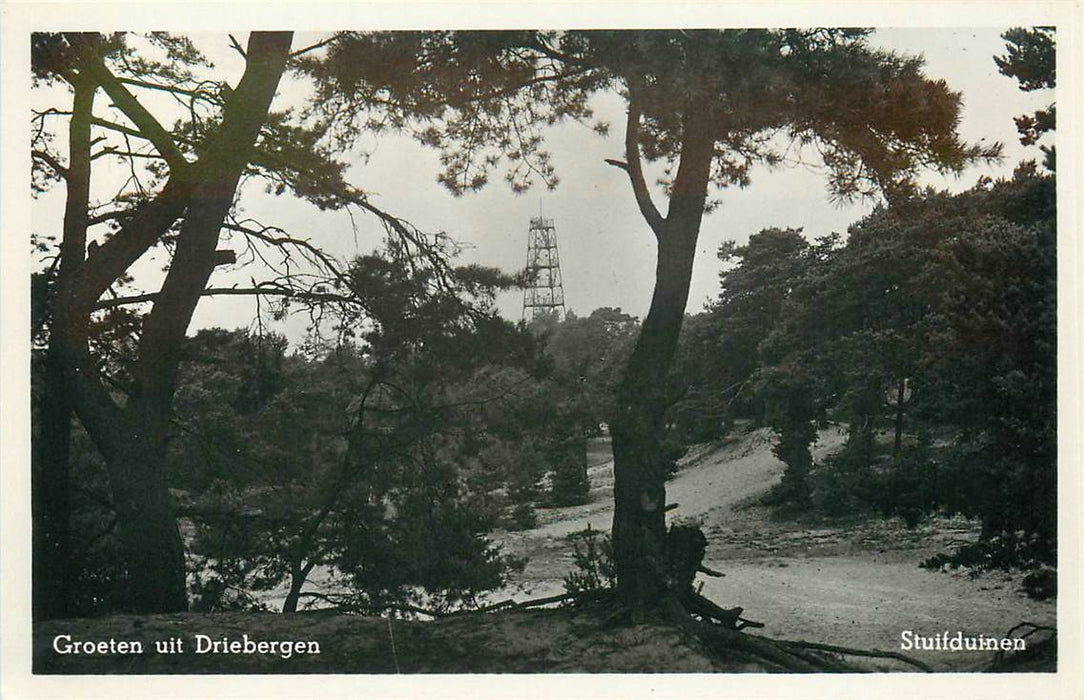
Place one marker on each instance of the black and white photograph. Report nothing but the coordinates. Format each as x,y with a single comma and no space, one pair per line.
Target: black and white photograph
468,349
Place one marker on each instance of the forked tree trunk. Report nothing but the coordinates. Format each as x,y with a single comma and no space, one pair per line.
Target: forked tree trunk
293,597
298,575
132,439
639,526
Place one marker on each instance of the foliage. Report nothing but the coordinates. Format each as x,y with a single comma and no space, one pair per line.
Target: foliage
368,460
585,356
931,335
570,484
592,553
485,98
1031,58
588,354
719,355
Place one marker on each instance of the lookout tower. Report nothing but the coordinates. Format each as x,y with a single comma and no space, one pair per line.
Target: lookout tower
544,293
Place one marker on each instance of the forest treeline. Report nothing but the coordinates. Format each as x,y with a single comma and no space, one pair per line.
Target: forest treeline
928,335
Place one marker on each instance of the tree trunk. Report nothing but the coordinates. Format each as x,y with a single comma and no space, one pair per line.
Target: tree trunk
298,575
52,568
132,439
152,545
640,471
639,527
49,488
294,595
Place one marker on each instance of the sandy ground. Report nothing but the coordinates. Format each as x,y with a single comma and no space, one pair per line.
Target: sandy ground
853,582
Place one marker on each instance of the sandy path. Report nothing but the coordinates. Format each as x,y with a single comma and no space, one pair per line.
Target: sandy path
709,483
858,585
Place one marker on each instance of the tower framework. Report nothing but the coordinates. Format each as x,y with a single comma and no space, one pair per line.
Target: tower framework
544,293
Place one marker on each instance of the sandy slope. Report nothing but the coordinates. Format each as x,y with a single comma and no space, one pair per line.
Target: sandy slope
855,583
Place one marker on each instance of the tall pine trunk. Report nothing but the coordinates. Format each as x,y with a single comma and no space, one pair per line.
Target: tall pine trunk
640,471
52,568
637,427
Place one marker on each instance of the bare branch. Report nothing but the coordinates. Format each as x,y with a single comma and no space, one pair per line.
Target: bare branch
51,162
236,46
318,45
263,234
269,290
112,126
118,215
537,80
173,89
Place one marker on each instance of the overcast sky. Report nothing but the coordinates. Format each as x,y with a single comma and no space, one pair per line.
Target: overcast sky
607,252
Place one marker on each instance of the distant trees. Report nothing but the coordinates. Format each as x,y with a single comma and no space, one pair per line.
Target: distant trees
719,352
931,335
368,460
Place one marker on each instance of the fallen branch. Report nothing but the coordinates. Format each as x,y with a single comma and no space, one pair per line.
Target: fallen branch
1034,628
859,652
769,652
510,604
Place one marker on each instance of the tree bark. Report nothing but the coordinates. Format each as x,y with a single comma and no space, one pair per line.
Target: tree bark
298,575
51,520
640,472
154,551
897,444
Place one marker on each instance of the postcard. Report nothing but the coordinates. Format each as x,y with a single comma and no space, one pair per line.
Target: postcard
481,349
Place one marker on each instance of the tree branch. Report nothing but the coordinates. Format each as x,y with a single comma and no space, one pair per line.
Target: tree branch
233,291
148,126
316,46
262,234
52,162
236,46
633,167
172,89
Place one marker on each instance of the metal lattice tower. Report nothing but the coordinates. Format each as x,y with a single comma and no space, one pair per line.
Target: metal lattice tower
544,293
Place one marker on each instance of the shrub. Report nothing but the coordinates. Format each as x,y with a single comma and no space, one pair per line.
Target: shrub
594,557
